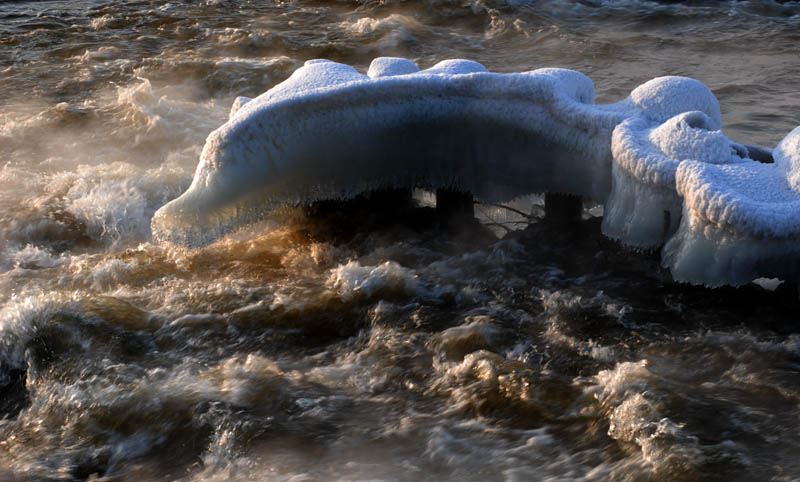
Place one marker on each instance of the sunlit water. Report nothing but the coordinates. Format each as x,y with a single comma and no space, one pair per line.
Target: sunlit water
289,352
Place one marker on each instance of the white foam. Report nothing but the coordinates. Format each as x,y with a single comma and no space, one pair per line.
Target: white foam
28,257
388,32
109,273
629,395
20,318
352,279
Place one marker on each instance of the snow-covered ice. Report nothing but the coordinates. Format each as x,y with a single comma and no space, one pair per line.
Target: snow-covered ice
657,159
644,209
741,221
330,132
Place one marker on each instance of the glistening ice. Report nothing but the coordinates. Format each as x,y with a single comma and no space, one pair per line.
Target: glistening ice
657,159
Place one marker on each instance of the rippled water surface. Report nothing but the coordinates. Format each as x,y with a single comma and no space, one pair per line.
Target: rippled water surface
325,348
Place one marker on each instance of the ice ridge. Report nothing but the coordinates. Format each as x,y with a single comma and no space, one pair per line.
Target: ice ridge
657,159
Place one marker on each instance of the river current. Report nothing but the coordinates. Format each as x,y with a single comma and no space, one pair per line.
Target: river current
326,348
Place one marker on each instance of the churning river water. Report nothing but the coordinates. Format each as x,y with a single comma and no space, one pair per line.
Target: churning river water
304,349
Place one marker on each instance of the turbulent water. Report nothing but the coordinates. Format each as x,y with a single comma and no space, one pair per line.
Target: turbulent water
333,348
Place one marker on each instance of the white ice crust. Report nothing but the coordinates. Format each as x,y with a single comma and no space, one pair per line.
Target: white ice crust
330,132
657,159
644,209
741,220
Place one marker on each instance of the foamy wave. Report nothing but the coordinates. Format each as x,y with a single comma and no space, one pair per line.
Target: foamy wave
628,395
115,201
22,317
161,113
100,54
352,280
391,31
28,257
232,36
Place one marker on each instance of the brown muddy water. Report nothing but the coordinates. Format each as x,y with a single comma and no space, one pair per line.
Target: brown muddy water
302,349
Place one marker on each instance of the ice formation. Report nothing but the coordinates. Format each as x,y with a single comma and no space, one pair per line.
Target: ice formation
658,159
644,209
741,221
330,132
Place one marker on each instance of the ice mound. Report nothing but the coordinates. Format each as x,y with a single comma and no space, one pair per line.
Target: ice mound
741,221
644,208
665,97
723,218
330,132
238,103
387,66
658,159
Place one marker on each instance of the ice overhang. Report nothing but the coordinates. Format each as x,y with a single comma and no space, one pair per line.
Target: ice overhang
657,159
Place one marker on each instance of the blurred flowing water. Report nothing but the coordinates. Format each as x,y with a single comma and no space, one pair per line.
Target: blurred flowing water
285,352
